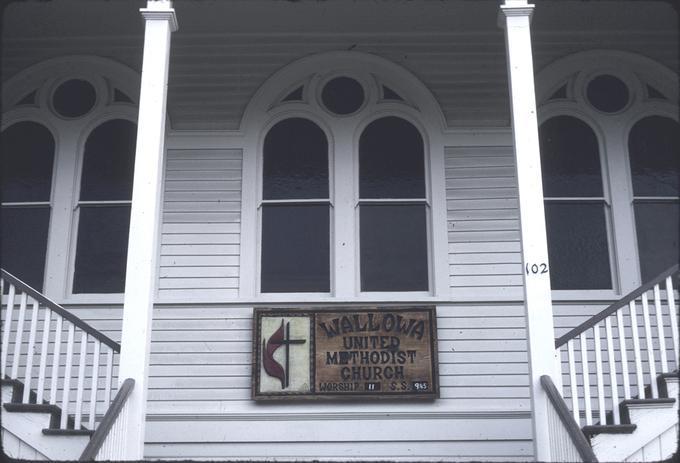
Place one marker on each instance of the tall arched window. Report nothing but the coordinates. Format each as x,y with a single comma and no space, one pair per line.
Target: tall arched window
654,152
104,208
27,162
392,207
575,210
295,245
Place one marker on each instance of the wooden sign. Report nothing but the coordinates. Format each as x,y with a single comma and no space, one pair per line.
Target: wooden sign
388,353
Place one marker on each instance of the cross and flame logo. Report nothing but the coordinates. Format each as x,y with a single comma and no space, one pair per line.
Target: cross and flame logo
280,337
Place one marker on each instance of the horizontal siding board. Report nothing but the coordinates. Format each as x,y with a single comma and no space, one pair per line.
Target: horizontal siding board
200,241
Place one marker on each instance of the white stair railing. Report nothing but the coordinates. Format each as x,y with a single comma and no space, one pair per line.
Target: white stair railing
652,340
78,360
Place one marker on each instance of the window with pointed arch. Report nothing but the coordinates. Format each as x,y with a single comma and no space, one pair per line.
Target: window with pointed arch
67,156
610,153
338,208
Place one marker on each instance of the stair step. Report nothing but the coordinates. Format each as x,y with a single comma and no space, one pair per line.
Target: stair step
595,429
53,410
67,432
662,400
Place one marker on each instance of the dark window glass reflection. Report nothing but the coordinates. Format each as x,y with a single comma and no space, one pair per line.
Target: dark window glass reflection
295,248
570,160
393,248
577,246
102,249
108,166
74,98
27,160
295,161
24,243
342,95
391,160
654,148
658,231
607,93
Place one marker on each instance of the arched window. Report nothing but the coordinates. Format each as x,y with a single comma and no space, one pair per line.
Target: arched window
575,210
654,152
104,208
295,245
27,162
392,207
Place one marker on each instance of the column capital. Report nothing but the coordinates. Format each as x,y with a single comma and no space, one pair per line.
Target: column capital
161,13
514,9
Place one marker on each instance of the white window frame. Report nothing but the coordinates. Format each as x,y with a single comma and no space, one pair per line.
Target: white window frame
419,108
612,131
70,136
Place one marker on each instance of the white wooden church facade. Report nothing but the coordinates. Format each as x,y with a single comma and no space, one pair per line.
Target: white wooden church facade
198,211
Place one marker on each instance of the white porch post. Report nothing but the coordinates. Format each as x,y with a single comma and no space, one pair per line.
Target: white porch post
140,279
516,16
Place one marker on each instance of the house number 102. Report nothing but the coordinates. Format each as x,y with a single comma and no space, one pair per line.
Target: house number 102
536,269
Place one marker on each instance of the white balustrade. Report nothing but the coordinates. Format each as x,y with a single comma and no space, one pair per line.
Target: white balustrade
28,363
648,337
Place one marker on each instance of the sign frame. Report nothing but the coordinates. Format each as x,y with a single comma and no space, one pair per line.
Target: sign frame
258,346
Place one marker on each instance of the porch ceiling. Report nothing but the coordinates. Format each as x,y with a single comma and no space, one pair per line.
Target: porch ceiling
224,50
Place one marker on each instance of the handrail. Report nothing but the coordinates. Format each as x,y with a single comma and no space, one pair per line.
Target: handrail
562,340
60,310
577,438
99,436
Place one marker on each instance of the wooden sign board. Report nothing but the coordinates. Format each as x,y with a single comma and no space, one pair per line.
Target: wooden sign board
358,353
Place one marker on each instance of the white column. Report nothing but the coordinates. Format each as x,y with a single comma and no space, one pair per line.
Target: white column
140,280
516,17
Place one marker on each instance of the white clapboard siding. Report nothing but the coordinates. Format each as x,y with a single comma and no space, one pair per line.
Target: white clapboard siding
200,380
482,220
200,241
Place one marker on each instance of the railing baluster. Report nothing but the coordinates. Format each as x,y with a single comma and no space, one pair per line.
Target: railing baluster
598,372
95,384
650,346
624,354
572,380
109,376
660,329
585,372
67,376
8,327
636,350
55,360
43,355
28,373
612,370
670,296
81,380
18,339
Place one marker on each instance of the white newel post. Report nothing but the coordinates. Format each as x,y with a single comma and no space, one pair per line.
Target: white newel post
516,18
140,280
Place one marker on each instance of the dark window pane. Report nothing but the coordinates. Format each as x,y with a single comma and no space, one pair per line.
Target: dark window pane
570,160
121,97
607,93
658,232
28,100
654,93
27,160
654,148
393,248
577,246
391,160
101,252
74,98
389,94
560,93
24,243
342,95
295,248
295,161
295,95
109,161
